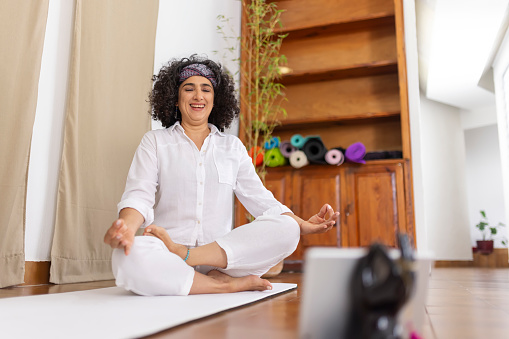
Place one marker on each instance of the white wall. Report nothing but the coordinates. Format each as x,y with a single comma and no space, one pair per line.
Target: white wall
445,192
180,35
184,28
501,79
479,117
484,178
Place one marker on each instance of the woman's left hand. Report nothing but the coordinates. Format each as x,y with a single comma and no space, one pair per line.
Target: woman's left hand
320,222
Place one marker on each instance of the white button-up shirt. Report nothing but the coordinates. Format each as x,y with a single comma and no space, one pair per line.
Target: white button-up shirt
189,191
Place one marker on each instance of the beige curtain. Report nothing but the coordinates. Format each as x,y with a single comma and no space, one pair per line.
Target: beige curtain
22,28
107,114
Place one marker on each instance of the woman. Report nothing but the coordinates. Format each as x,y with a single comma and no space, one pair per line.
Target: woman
182,178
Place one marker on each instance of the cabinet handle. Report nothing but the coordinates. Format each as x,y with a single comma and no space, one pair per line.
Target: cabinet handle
347,211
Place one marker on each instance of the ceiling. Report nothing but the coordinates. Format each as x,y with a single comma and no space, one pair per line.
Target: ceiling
457,40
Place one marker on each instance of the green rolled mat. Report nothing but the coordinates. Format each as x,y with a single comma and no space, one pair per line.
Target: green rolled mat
274,157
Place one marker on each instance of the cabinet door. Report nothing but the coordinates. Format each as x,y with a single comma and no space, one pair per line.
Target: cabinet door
313,187
374,209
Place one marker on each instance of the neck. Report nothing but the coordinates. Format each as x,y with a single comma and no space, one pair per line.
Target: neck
197,133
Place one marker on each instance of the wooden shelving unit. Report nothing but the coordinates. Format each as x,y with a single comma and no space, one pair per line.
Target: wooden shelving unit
346,82
342,72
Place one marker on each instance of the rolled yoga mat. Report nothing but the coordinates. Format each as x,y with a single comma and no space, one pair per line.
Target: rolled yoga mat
334,157
287,148
315,150
272,143
259,155
383,155
298,159
274,158
356,152
298,141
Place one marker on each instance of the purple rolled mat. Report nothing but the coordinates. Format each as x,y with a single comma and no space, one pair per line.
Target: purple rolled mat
334,157
287,148
356,152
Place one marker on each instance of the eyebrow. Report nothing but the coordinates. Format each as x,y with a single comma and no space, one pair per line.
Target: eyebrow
193,84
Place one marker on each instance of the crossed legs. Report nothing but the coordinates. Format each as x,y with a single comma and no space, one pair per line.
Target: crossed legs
155,265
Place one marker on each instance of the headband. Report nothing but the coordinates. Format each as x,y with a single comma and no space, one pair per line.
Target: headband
197,69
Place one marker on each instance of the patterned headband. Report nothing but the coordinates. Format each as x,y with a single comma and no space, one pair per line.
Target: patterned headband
197,69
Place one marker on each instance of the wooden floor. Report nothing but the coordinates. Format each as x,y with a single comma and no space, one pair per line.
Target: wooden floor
462,303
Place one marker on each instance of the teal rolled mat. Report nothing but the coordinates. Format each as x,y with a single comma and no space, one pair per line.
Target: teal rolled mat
298,141
274,158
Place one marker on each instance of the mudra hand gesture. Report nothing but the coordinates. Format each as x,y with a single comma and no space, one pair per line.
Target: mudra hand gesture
321,222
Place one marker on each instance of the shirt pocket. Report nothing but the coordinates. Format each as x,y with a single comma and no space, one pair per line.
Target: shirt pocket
227,165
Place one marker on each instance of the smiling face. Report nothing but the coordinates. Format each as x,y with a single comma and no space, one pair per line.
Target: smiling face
196,99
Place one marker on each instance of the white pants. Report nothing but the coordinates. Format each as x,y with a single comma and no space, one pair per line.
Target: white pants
151,269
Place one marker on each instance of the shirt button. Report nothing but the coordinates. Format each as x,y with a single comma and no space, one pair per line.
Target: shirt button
201,182
200,163
199,203
198,221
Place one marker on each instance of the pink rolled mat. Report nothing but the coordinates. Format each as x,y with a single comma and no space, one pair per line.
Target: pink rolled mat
334,157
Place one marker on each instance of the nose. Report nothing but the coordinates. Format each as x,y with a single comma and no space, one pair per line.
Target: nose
198,94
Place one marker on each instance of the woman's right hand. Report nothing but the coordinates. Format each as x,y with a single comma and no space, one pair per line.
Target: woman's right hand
119,235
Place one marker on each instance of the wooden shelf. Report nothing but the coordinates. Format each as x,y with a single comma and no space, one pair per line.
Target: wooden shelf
386,162
306,17
291,124
380,19
353,71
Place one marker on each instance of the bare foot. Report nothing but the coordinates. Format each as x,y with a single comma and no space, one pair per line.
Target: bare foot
247,283
159,232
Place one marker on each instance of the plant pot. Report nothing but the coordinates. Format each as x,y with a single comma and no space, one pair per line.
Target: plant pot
485,246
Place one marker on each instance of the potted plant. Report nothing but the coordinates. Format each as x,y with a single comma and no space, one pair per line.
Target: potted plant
261,93
485,246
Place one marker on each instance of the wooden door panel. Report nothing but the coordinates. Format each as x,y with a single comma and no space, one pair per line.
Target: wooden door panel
376,208
376,204
317,188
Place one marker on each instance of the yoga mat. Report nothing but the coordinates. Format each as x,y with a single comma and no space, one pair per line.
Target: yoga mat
334,157
383,155
315,150
274,158
298,159
272,143
356,152
259,155
298,141
287,148
113,312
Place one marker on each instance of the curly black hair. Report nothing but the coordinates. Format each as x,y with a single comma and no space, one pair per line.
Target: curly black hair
164,95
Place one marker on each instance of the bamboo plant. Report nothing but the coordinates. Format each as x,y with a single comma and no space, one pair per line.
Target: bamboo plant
261,62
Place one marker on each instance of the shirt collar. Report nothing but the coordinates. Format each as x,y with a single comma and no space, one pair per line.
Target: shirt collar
213,129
